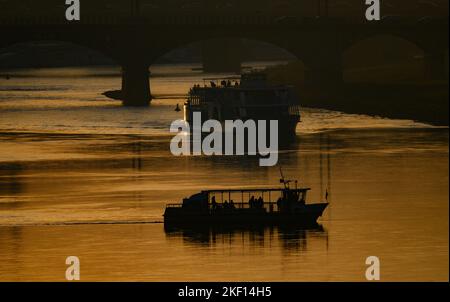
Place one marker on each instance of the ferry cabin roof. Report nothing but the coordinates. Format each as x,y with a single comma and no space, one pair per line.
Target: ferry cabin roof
254,190
240,88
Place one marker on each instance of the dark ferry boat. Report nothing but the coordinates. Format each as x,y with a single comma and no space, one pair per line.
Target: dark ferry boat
243,98
276,206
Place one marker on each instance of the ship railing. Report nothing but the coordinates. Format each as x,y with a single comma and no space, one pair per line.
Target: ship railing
294,110
174,205
268,206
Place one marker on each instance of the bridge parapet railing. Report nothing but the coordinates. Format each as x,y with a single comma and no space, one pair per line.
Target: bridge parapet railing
202,20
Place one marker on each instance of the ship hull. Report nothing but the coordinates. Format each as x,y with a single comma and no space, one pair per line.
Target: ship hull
287,125
305,216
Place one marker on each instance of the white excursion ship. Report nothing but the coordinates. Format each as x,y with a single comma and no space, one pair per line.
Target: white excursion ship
248,97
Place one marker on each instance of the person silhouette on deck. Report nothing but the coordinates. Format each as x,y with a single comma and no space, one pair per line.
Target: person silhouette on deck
251,202
213,203
232,204
260,203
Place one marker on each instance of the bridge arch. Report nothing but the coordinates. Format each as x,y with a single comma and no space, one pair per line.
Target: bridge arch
46,54
50,51
357,38
382,57
249,48
105,45
284,45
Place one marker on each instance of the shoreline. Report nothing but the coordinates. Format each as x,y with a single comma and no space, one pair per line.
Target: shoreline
418,100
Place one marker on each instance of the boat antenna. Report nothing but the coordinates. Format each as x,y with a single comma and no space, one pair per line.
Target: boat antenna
328,194
284,181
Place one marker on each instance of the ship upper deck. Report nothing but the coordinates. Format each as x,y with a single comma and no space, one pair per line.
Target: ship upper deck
246,82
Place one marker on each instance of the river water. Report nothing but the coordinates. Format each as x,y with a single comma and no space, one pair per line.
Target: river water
82,176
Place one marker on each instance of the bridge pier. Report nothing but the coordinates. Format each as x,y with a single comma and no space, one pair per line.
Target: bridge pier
135,85
435,65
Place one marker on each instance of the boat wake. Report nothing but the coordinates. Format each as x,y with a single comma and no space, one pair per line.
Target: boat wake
77,223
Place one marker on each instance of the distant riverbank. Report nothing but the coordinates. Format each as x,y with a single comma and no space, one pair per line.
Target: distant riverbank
422,101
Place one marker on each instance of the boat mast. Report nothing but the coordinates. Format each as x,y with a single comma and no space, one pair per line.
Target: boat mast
284,181
328,169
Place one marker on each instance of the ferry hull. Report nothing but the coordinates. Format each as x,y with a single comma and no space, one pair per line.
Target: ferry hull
306,216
